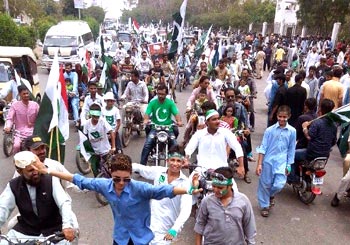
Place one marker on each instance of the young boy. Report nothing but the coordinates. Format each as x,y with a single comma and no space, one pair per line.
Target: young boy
89,100
276,154
226,216
96,129
111,114
201,98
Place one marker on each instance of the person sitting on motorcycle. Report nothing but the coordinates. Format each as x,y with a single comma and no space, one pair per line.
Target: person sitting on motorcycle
89,100
125,68
169,71
184,63
226,226
21,116
204,83
321,134
144,64
228,115
40,215
120,53
168,215
201,98
154,78
136,91
96,130
211,143
111,114
222,71
159,111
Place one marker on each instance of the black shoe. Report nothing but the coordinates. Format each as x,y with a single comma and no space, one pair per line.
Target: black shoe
335,201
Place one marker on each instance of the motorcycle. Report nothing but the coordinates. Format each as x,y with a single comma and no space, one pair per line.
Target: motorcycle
181,79
159,153
132,121
51,239
169,84
310,179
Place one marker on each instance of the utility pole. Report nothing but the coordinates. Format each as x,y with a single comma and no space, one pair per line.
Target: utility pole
6,5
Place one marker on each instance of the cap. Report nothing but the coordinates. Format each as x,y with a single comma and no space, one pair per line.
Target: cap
24,158
210,113
109,96
33,142
127,56
99,85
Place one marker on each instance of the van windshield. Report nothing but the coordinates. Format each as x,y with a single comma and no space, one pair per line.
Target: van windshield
60,41
124,37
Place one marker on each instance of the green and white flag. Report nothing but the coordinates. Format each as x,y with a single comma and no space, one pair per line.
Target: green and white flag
202,43
88,152
178,26
340,115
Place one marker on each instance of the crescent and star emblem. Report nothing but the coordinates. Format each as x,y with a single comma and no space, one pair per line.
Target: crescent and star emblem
164,111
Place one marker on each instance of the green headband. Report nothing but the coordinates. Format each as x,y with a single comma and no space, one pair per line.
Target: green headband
175,154
222,182
210,113
95,113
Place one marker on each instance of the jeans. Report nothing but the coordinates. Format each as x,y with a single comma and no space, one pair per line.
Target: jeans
150,144
74,102
300,155
118,143
115,88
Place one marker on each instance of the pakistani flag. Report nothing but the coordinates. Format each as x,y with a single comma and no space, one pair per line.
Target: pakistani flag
88,152
202,43
52,123
178,24
135,26
340,115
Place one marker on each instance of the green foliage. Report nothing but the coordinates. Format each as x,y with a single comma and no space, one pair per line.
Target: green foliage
8,31
94,12
94,25
320,16
26,36
68,8
42,25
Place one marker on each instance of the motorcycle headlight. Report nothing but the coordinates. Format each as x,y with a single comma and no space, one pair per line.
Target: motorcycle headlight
162,136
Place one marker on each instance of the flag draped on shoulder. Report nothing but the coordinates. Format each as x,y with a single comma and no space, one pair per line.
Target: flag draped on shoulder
52,123
20,82
202,43
88,152
178,26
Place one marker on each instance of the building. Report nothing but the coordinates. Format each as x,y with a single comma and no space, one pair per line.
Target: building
286,17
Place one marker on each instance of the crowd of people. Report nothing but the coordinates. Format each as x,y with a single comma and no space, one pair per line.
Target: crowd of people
220,123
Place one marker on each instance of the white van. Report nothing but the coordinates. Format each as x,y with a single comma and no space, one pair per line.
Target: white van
71,38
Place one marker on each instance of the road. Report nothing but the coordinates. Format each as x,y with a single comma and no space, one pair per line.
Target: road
290,221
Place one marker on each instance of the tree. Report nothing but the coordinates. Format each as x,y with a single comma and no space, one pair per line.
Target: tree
319,17
68,8
8,31
94,12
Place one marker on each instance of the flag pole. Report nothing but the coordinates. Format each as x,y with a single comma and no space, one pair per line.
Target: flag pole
50,146
58,145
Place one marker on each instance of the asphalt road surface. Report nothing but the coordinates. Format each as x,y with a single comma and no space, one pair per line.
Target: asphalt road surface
290,221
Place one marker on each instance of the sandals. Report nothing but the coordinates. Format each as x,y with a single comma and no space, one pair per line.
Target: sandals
265,212
272,201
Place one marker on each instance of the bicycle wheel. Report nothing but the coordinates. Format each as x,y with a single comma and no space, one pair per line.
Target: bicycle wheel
126,134
100,198
7,144
82,165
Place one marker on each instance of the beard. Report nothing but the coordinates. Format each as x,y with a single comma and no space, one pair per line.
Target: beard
32,182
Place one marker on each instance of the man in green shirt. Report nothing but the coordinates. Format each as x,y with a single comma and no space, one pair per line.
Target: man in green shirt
159,112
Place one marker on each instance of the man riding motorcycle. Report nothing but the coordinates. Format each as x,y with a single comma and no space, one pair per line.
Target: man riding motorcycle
144,64
125,67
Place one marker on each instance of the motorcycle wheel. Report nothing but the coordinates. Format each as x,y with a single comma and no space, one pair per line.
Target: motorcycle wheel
180,86
126,133
7,144
82,165
305,194
100,198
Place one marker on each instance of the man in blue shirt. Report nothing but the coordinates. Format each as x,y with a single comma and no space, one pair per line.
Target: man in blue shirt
129,199
74,94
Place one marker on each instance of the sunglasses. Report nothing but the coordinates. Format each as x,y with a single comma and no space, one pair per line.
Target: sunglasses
230,96
119,179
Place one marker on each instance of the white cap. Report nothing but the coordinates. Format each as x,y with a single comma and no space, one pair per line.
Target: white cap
24,158
109,96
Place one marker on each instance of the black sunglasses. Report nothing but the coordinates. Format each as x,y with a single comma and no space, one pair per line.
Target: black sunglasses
119,179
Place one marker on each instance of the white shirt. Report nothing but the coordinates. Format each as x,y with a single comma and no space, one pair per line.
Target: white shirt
88,101
97,135
144,65
63,202
11,86
212,152
307,87
167,213
136,92
111,116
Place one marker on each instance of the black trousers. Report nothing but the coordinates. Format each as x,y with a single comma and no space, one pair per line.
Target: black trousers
129,243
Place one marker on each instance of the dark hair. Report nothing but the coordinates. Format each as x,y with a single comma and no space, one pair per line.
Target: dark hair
311,103
230,105
21,88
68,64
302,73
162,86
284,108
337,73
229,89
135,73
202,91
92,83
203,78
176,149
208,105
312,68
298,79
120,162
326,106
67,79
329,73
225,171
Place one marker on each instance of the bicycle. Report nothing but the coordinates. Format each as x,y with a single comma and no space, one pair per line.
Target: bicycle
51,239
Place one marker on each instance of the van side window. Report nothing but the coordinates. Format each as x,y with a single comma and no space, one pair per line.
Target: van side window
88,38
